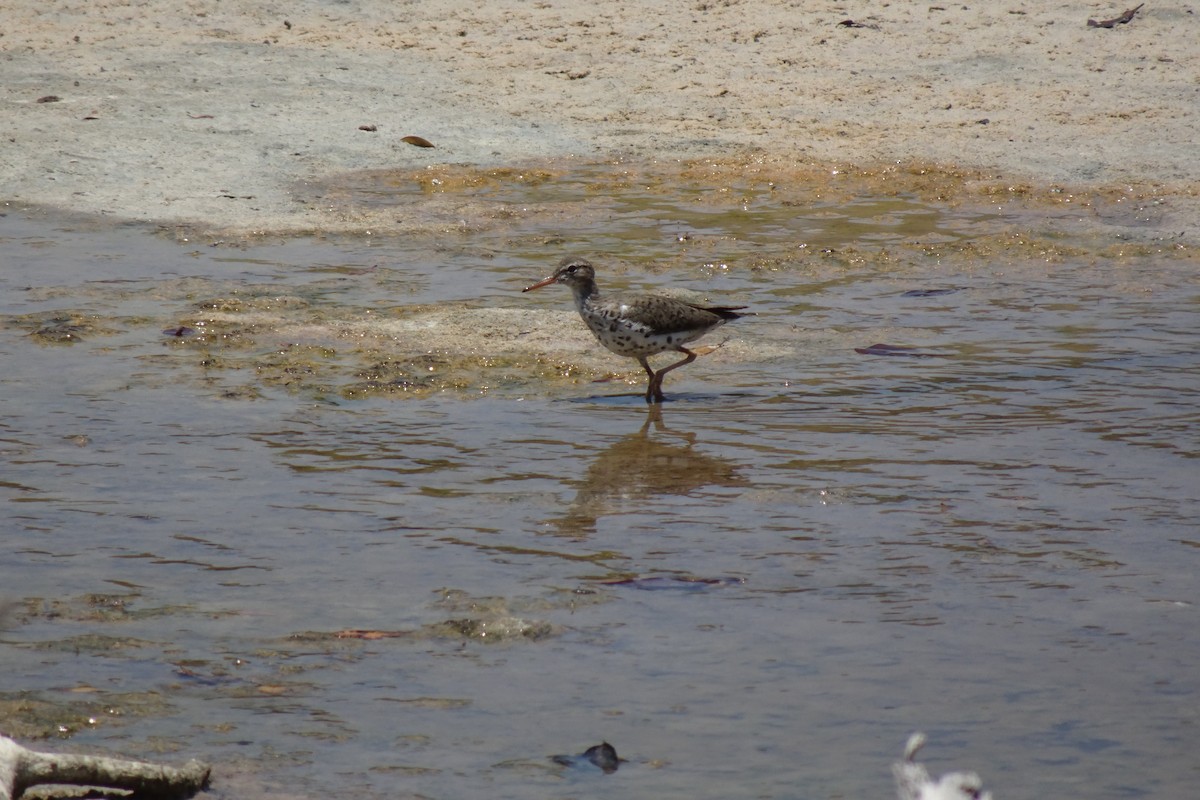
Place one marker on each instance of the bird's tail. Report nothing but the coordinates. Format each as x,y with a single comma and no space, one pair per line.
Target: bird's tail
729,313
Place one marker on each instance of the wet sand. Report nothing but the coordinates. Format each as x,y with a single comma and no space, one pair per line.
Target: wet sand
216,117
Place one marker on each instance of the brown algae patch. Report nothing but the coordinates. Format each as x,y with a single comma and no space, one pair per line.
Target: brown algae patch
467,198
425,350
488,620
62,327
436,199
33,717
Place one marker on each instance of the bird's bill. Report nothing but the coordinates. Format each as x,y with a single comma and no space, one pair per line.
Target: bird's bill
541,283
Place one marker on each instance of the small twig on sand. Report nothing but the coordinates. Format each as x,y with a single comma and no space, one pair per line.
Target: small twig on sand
21,768
1121,20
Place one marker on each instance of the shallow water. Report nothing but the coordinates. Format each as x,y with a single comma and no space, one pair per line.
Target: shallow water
757,590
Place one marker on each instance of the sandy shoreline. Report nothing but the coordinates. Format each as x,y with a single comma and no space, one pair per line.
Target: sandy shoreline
193,113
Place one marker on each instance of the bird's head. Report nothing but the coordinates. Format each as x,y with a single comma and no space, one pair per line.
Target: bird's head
572,271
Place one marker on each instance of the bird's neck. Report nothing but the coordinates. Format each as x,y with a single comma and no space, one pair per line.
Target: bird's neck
586,293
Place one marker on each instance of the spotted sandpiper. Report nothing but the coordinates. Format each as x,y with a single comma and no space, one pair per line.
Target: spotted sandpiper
638,325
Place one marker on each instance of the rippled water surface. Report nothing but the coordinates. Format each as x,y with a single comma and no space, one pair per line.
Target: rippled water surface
757,590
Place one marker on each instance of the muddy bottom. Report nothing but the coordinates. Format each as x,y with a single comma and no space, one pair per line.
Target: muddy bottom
350,516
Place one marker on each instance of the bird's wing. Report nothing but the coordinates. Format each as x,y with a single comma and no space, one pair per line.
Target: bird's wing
666,314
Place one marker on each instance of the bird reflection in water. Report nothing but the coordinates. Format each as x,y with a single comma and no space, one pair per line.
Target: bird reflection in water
655,460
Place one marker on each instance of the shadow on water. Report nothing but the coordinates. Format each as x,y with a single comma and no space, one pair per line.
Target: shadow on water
349,516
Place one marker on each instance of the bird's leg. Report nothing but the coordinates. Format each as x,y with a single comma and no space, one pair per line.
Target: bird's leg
656,381
650,386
